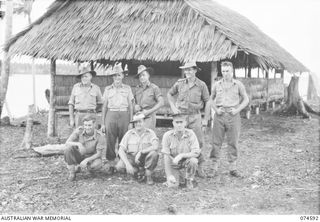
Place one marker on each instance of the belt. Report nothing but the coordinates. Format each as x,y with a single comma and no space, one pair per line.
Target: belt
117,110
86,110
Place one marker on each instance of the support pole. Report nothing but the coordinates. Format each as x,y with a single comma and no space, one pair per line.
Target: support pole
214,74
51,119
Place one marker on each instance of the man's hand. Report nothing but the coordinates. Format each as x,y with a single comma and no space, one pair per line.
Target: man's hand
137,108
234,111
129,169
219,111
177,159
72,124
175,110
136,159
103,128
84,164
145,112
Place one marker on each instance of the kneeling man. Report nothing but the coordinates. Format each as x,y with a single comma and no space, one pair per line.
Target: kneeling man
181,151
84,148
138,150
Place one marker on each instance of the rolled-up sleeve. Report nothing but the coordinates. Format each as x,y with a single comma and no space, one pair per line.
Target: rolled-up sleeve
194,144
157,93
124,142
165,144
72,96
74,137
205,93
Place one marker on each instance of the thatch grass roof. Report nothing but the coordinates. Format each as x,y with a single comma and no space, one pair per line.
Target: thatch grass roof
164,30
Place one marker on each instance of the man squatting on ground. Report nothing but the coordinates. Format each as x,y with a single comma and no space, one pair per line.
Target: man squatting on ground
85,98
230,98
84,148
117,111
193,95
181,152
138,150
148,97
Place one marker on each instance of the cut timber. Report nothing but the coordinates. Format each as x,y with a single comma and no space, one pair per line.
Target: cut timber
294,103
50,149
27,140
51,118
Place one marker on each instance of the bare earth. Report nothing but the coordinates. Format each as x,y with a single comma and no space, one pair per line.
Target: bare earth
279,158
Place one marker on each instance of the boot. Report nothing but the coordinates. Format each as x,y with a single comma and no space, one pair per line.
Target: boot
200,171
189,183
215,169
72,172
149,177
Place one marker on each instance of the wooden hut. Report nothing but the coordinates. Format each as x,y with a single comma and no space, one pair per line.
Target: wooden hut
161,34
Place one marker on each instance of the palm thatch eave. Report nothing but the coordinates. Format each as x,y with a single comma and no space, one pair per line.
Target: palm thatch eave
147,30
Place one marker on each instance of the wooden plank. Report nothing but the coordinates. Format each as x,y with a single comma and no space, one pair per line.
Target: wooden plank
51,119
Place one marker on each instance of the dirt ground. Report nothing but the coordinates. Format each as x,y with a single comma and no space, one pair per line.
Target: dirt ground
279,158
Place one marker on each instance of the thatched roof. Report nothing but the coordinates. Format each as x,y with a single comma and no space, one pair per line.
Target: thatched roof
179,30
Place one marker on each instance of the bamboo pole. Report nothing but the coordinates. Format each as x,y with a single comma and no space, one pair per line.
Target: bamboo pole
51,118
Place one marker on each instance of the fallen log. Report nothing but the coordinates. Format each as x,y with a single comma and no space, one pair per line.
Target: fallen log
50,149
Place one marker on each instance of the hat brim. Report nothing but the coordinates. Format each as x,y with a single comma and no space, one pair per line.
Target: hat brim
185,67
149,70
115,73
93,73
133,121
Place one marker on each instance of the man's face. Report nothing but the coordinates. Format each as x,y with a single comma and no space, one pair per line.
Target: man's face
138,125
179,124
117,78
86,78
227,72
189,72
144,77
88,126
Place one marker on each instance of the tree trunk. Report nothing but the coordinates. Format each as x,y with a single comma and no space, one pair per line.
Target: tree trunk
6,59
294,104
27,140
51,118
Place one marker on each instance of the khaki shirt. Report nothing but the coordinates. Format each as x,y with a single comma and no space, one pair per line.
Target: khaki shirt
132,142
228,96
147,97
118,97
84,97
190,99
92,143
173,145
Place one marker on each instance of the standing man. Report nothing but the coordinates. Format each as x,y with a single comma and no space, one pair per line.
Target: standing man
85,98
181,151
230,98
117,111
148,97
138,150
193,95
84,148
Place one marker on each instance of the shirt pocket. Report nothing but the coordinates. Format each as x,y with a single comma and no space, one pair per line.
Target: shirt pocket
133,146
195,95
78,96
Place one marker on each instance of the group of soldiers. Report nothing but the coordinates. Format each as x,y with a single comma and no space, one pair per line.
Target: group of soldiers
130,119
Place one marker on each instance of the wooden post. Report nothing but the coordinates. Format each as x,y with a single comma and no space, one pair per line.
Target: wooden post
258,72
267,77
214,73
51,119
257,110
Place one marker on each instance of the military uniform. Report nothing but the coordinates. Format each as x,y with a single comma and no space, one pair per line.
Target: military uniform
132,143
226,97
147,97
190,100
91,143
85,100
117,117
172,145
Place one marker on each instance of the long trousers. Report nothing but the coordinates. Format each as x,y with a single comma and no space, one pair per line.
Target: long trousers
148,161
230,125
116,126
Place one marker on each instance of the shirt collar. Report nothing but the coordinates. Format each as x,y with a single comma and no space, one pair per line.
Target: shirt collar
81,85
184,134
232,80
113,85
94,136
197,81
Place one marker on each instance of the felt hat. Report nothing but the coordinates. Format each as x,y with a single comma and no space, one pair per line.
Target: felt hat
116,69
85,70
142,68
189,65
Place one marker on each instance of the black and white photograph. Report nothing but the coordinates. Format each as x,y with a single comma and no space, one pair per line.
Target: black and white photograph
159,107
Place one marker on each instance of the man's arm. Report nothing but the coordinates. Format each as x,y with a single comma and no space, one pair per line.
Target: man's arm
71,115
158,105
245,98
154,147
91,158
